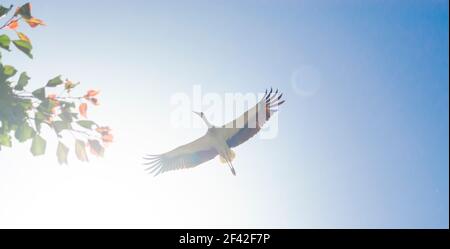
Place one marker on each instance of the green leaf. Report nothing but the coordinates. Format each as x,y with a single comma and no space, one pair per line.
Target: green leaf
24,132
46,106
39,118
96,148
5,139
4,10
26,104
38,146
4,42
80,151
39,93
24,11
23,81
24,46
61,125
86,124
67,105
55,81
66,116
61,153
9,71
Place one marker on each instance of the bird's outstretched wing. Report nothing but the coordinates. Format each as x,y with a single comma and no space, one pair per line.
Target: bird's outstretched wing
185,156
248,124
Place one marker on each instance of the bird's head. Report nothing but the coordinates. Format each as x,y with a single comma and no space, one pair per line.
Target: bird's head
201,114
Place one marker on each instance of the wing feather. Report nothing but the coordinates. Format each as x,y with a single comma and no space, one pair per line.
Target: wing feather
185,156
249,123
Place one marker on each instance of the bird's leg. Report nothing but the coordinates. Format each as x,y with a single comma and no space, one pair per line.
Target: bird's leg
231,165
233,171
225,158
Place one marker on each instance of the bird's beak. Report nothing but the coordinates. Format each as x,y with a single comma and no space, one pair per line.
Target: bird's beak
198,113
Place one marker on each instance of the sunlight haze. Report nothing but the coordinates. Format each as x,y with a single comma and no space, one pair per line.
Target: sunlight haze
362,140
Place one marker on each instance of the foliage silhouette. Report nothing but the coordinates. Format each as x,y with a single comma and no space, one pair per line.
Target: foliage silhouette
23,113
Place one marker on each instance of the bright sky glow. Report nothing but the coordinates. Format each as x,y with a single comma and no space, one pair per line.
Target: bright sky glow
362,140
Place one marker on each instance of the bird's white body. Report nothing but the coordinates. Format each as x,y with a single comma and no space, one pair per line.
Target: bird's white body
215,136
217,140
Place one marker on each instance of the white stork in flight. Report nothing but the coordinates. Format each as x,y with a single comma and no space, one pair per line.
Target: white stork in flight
217,140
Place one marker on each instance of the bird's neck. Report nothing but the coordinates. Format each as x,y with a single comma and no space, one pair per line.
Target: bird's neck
207,123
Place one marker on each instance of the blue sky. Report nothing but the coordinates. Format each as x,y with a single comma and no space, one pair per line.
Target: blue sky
366,148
